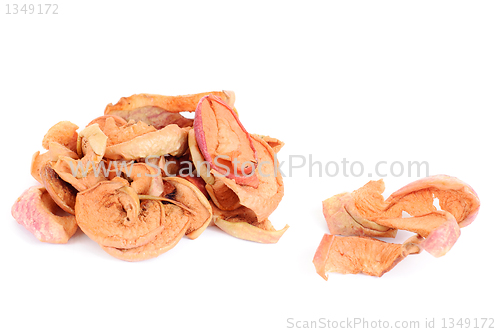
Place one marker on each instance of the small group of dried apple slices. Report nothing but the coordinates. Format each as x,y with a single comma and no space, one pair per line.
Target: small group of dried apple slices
353,218
122,178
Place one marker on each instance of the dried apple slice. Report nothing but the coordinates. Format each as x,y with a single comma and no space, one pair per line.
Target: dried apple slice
441,239
117,132
264,199
37,162
110,214
38,213
352,255
169,140
159,110
454,195
224,142
63,194
85,172
81,174
175,225
145,179
246,231
196,181
242,223
92,138
275,144
340,220
63,133
111,119
55,151
172,104
155,116
201,165
189,195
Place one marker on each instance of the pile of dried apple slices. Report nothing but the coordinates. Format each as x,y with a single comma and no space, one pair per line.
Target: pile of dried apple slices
140,177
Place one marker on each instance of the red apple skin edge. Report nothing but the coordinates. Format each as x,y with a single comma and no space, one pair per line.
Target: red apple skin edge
202,143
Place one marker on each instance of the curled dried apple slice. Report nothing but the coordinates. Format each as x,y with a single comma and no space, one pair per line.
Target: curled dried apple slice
275,144
155,116
144,179
196,181
224,142
105,120
55,151
38,213
454,195
246,231
117,132
242,223
85,172
92,138
173,104
175,225
37,162
263,200
111,214
159,110
442,238
201,165
63,133
170,140
200,211
341,218
352,255
63,194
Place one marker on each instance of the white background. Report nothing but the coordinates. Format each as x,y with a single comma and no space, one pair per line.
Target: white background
365,81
